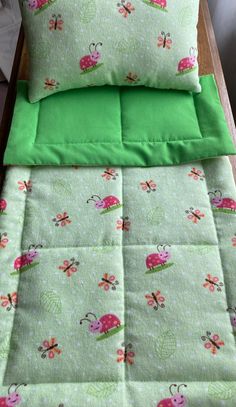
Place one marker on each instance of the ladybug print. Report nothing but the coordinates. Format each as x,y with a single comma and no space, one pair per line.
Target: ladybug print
125,8
194,215
69,266
3,206
13,398
108,282
123,224
164,40
176,399
62,219
159,258
108,203
110,174
218,202
3,240
37,5
9,301
132,78
108,324
212,342
196,174
148,186
88,62
27,258
213,283
49,349
126,355
51,84
233,241
25,186
233,318
161,4
155,300
187,65
56,23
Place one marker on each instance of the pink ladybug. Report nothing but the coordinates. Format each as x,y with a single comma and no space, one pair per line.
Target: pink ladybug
27,258
106,203
224,203
3,205
13,398
103,324
88,61
176,400
155,259
233,318
36,4
162,3
189,62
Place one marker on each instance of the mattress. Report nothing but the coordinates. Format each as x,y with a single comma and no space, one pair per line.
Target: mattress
118,286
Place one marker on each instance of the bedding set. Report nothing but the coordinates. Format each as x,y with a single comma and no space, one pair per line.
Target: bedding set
118,215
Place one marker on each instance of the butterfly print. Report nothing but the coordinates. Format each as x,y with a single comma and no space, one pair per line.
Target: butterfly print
123,224
125,8
25,186
196,174
9,301
49,349
50,84
108,282
148,186
125,355
155,300
132,78
56,23
3,240
110,174
68,266
164,40
213,283
194,215
212,342
62,219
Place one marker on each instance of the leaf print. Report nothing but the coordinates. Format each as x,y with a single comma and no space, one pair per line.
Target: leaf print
101,390
87,11
51,302
60,186
156,215
127,45
222,390
185,16
4,349
166,344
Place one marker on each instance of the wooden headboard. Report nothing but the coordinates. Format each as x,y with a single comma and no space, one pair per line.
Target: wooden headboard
209,62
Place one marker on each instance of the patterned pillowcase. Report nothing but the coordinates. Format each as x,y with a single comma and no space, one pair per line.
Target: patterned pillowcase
75,44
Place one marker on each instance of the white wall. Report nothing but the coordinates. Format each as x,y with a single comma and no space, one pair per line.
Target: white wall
223,13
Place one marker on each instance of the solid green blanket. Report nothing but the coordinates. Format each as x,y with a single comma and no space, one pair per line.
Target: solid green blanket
118,286
119,126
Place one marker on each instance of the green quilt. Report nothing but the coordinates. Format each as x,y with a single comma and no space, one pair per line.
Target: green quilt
132,126
117,286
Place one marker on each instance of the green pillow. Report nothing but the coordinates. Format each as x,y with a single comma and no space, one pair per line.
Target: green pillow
75,44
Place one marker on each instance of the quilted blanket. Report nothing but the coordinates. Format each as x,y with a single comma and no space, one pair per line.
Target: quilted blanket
117,286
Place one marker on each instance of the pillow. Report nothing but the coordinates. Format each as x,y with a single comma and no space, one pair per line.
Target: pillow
75,44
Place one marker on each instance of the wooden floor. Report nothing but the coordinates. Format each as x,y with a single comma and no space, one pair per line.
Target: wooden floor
209,62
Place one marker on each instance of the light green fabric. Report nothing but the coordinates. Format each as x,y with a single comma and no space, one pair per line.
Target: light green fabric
167,343
119,126
142,46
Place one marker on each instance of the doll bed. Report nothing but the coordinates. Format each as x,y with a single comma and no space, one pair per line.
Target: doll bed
172,307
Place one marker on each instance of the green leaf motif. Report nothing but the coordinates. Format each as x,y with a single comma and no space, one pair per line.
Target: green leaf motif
185,16
87,11
156,215
166,344
222,390
101,390
4,349
51,302
60,186
127,45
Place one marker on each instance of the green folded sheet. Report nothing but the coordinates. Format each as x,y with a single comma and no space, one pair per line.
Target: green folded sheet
119,126
117,286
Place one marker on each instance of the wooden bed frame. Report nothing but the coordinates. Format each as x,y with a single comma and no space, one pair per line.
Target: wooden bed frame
209,62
